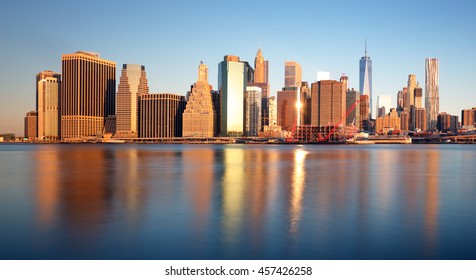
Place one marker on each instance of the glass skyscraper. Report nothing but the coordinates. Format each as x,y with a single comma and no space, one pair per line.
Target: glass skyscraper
365,73
232,81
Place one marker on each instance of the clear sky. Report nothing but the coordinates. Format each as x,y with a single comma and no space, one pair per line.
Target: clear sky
171,38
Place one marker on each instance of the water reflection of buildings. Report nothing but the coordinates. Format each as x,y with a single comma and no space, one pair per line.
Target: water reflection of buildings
48,187
432,200
297,189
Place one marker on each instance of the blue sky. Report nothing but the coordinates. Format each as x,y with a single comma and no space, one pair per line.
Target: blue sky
171,38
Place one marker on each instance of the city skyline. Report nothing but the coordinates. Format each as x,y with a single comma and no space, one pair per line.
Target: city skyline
161,44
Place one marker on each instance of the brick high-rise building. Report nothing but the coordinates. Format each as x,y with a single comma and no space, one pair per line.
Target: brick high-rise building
30,128
328,103
87,94
468,117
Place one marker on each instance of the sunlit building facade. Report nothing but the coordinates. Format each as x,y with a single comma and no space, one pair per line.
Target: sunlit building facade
132,84
432,92
328,103
365,80
48,85
30,125
198,117
232,82
88,93
252,111
388,122
353,97
292,74
160,115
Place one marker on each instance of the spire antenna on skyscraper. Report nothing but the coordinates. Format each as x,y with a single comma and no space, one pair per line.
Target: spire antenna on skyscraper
365,46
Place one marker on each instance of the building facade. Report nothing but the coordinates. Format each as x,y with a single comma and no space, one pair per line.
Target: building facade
353,97
468,118
30,125
328,103
292,74
48,85
232,82
132,84
365,80
252,111
199,116
410,96
160,115
388,122
432,92
87,94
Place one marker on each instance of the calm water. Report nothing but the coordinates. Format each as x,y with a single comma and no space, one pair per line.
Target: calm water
99,201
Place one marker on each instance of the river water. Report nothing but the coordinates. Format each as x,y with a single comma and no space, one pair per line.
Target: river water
146,201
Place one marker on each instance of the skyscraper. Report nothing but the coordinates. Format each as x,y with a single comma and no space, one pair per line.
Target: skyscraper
261,80
260,70
232,81
432,95
87,94
365,73
352,96
410,97
292,74
418,96
48,85
198,117
132,84
252,111
31,128
160,115
328,103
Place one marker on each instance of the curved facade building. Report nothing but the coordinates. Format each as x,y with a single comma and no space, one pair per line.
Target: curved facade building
432,92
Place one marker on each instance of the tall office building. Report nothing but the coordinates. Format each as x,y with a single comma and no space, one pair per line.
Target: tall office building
351,98
252,111
420,119
30,125
198,117
443,121
48,84
418,93
365,123
289,114
328,103
292,74
404,120
261,80
87,94
260,69
132,84
232,82
273,111
365,73
410,97
468,117
384,103
400,100
432,95
160,115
